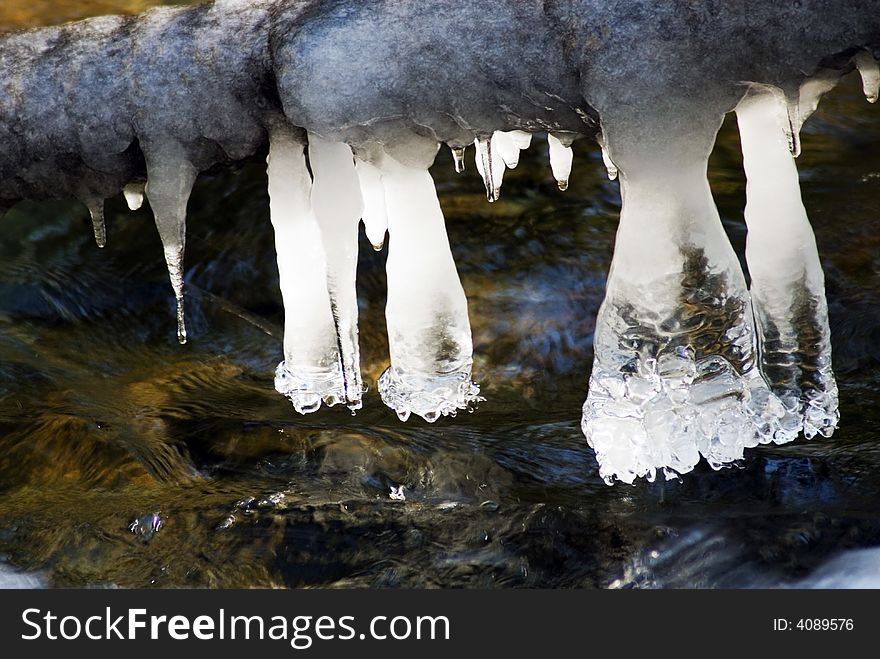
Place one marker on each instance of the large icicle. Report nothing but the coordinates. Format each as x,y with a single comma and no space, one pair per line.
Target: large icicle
170,178
788,291
337,203
311,371
675,372
429,333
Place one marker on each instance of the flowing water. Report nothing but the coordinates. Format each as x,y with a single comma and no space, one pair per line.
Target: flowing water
127,459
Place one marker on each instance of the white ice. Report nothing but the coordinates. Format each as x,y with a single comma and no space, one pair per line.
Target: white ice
675,373
870,73
311,371
561,157
375,214
788,290
429,332
490,165
338,205
134,195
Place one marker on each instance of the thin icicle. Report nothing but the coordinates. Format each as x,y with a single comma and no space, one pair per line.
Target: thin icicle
375,215
561,157
134,195
458,158
429,333
311,371
870,73
96,211
170,177
338,206
610,167
490,166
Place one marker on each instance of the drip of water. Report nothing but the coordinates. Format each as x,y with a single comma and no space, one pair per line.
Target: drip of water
170,178
429,332
134,195
311,372
788,291
561,157
870,73
338,206
375,215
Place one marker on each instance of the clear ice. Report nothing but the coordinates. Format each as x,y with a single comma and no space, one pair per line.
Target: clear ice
311,372
429,332
338,204
170,178
676,368
96,211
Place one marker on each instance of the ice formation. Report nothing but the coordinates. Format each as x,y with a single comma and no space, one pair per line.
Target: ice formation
429,333
689,363
311,372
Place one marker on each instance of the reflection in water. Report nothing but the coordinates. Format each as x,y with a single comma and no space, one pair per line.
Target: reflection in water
128,459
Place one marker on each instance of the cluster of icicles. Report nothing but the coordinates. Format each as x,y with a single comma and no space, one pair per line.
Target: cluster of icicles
689,362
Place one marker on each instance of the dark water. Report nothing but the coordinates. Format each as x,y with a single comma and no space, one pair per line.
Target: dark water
127,459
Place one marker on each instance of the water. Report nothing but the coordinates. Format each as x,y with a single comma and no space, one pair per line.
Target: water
128,459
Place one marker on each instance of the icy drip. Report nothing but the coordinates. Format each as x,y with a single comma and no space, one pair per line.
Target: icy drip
509,144
788,292
311,370
375,214
675,372
337,204
870,73
170,180
134,195
561,158
96,211
429,333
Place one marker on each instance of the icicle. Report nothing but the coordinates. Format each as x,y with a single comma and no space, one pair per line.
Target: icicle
675,373
490,166
134,195
170,177
508,145
311,371
338,206
870,73
610,167
812,90
561,157
793,129
96,210
458,158
787,290
506,148
429,333
521,139
375,215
